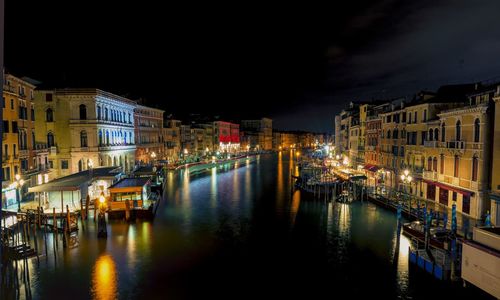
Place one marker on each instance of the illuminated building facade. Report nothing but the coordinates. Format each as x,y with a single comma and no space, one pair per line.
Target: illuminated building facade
85,128
226,136
149,134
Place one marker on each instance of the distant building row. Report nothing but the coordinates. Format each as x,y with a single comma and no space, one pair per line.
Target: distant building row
449,140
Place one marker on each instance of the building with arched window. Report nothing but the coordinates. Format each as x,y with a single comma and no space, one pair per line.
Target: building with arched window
148,130
20,154
85,129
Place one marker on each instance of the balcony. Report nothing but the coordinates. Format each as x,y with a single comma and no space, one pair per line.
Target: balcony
9,88
431,144
459,145
430,175
24,152
5,158
117,147
476,146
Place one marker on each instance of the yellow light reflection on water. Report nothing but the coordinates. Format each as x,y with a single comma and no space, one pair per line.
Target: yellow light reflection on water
104,279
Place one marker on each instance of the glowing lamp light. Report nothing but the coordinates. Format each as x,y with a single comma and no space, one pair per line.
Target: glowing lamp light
402,177
102,199
406,172
153,155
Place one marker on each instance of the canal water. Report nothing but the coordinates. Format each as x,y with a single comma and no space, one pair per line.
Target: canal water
239,232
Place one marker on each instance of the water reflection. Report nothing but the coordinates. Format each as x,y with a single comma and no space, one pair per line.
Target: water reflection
104,278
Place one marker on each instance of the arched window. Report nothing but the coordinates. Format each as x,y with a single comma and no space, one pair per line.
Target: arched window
125,138
98,112
395,134
474,168
50,139
83,139
130,138
457,166
106,113
107,137
458,131
435,164
431,135
129,118
441,157
83,112
388,134
429,164
436,134
49,115
443,132
476,131
100,137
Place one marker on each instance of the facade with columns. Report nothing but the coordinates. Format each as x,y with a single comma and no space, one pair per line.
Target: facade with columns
85,127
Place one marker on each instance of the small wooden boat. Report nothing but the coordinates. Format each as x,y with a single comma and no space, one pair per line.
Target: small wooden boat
416,230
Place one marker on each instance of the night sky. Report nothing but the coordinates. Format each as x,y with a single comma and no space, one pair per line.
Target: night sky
297,64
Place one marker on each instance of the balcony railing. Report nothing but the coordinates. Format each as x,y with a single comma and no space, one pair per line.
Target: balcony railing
23,152
431,175
455,145
431,144
9,88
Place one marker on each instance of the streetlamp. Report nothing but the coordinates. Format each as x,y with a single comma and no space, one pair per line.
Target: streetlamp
18,183
406,179
101,223
153,157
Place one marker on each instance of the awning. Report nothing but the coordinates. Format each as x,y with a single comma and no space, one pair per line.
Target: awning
449,187
371,168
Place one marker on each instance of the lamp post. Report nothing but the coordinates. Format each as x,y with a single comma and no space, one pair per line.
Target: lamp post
101,223
18,184
153,157
406,179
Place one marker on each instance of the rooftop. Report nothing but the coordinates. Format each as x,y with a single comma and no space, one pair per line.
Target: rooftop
130,182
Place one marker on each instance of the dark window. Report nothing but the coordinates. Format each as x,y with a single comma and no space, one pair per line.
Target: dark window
466,204
100,137
388,134
83,139
457,166
395,134
429,164
403,116
454,196
431,135
14,127
402,151
424,137
435,164
51,164
442,163
443,196
32,114
476,131
5,126
106,113
64,164
425,115
50,139
48,97
409,118
436,134
415,118
7,173
83,112
33,139
443,132
458,131
49,115
388,119
98,112
5,150
431,192
11,103
474,168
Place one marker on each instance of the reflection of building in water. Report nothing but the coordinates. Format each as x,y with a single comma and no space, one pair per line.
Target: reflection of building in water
104,279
